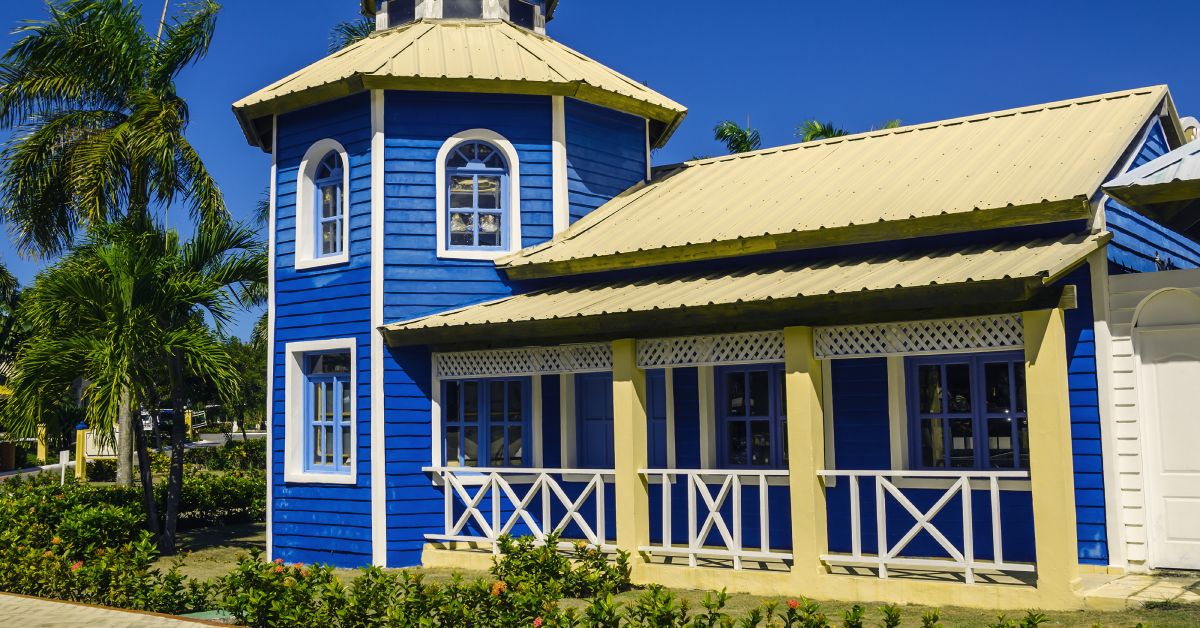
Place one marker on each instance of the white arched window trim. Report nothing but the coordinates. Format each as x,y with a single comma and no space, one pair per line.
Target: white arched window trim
306,242
512,235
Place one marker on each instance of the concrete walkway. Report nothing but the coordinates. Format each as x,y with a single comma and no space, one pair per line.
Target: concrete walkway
18,610
1132,590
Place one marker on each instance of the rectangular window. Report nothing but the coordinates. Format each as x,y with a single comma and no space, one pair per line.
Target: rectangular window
753,421
329,219
594,420
327,404
968,412
486,422
401,12
471,9
521,13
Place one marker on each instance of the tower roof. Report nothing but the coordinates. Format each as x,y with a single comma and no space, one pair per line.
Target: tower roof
479,56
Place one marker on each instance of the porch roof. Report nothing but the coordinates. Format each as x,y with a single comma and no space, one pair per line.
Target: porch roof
1030,165
1166,189
964,280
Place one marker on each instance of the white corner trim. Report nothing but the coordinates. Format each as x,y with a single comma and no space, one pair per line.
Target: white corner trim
562,205
293,392
378,423
513,230
897,412
269,417
306,242
706,387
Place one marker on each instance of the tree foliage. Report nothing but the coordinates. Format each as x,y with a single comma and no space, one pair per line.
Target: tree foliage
737,139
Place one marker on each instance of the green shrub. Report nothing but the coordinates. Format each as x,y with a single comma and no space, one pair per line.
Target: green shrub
88,528
235,455
587,572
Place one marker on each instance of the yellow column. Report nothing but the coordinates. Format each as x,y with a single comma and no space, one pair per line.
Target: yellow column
187,423
806,453
41,444
629,453
1050,461
81,453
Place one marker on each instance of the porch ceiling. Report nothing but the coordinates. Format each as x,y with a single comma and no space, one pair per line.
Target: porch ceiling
1166,189
967,280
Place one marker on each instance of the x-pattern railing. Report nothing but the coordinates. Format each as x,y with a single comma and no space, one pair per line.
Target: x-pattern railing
513,496
890,554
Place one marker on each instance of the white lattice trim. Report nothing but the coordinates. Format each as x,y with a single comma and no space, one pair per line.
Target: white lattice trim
982,333
524,361
758,346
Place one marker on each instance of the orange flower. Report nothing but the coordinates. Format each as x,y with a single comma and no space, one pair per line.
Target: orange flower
793,604
498,588
278,561
47,554
298,565
55,541
77,565
537,622
279,569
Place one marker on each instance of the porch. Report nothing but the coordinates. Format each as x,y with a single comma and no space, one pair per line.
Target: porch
652,447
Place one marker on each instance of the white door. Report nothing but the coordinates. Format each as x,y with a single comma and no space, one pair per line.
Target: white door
1171,375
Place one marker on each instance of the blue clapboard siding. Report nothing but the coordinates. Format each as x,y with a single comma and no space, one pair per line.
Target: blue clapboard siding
862,441
416,282
1138,241
1085,423
606,154
316,523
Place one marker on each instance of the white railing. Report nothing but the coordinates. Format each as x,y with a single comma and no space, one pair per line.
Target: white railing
528,496
707,493
889,555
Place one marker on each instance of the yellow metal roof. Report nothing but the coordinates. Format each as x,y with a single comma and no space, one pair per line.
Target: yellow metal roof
491,56
1020,166
677,297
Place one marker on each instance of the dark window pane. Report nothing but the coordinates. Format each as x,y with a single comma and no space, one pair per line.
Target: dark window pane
1023,440
489,192
346,405
462,229
515,446
933,443
497,446
331,239
451,401
318,454
515,401
997,386
735,394
1000,443
736,442
521,13
1019,380
328,459
470,452
462,192
929,377
760,443
962,443
483,152
958,387
345,445
462,8
470,402
328,363
401,11
329,200
496,401
781,385
453,434
489,229
457,159
760,393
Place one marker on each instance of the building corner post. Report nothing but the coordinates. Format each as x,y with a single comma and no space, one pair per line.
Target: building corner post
1050,461
630,452
806,444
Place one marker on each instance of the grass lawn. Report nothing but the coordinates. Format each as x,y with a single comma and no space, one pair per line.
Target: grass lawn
215,551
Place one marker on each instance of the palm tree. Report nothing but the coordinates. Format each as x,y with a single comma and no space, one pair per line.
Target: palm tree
813,130
128,300
99,128
348,33
736,138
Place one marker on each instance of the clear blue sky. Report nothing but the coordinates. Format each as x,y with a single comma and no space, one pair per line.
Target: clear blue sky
855,65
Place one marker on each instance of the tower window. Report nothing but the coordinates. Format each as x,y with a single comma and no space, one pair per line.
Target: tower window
477,178
521,13
329,215
462,9
401,12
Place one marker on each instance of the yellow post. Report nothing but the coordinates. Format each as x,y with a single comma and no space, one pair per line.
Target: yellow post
629,453
806,453
187,423
81,453
1050,462
41,444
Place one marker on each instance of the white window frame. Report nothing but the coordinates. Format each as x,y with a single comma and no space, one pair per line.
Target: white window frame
293,442
306,243
512,234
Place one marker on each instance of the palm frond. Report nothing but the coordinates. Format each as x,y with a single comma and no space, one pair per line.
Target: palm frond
813,130
346,34
736,138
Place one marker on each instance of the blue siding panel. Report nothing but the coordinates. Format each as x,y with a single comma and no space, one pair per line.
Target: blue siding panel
315,523
606,155
1138,241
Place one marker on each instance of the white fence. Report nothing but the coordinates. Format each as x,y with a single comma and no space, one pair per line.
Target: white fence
889,555
708,491
528,496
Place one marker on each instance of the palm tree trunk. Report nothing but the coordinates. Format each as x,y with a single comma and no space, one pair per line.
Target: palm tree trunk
125,440
166,540
147,477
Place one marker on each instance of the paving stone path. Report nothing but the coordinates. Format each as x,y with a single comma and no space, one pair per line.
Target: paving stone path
16,610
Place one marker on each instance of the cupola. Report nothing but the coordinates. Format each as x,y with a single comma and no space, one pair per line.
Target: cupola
530,14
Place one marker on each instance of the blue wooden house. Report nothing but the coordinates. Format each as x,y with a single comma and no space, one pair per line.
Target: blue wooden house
833,368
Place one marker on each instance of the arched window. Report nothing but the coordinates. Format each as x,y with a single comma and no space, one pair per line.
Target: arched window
476,194
330,218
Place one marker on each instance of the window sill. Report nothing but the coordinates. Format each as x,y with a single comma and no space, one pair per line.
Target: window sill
489,256
309,477
322,262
